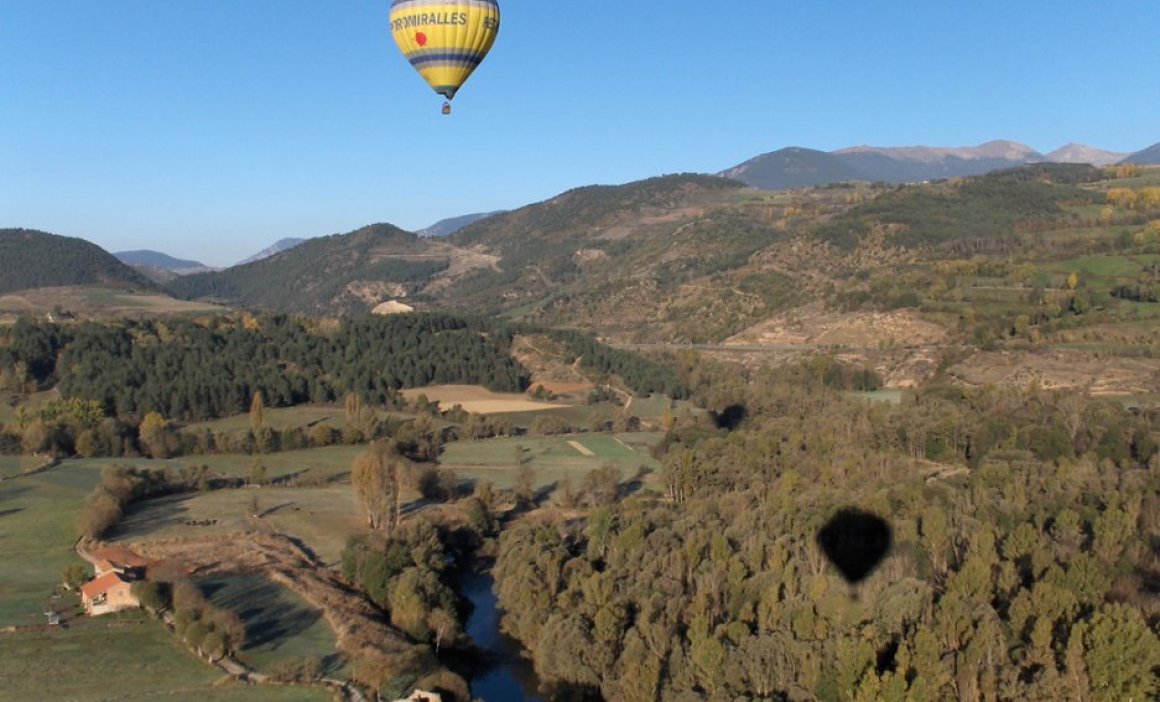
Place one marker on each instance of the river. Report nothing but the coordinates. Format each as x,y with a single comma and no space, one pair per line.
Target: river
511,678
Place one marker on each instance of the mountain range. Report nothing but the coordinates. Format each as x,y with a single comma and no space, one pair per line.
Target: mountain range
646,254
784,169
797,167
685,257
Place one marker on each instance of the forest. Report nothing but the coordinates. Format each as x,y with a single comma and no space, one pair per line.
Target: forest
1025,562
125,387
315,277
191,370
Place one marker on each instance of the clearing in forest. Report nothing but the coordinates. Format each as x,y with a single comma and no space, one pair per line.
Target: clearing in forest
474,398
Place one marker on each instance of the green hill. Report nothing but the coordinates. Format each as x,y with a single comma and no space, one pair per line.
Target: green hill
35,259
342,273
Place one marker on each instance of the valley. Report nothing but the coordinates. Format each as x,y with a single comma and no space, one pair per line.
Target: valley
635,408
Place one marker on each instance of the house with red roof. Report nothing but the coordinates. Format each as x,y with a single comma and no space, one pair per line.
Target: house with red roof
112,589
111,592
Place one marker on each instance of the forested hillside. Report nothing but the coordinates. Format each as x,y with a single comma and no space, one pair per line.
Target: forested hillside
1023,565
347,273
192,370
972,216
642,256
34,259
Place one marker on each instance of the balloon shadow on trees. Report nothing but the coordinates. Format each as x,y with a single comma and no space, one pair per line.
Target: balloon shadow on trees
731,418
856,542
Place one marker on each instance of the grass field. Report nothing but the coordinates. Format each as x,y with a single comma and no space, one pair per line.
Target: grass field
550,457
14,465
280,625
98,301
327,463
1149,177
287,418
125,658
37,532
576,415
38,514
652,407
330,462
1115,266
321,517
279,418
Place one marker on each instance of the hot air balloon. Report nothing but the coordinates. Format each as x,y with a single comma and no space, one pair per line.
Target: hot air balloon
445,40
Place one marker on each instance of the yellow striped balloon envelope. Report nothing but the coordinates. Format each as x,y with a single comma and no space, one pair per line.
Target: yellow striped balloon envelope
445,40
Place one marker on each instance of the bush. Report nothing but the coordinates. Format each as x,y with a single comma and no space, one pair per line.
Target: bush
153,596
214,645
195,633
307,669
547,425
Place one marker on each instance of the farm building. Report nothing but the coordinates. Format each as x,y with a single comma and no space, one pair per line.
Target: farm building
111,592
111,589
120,560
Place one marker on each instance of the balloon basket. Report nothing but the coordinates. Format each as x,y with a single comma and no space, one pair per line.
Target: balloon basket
446,108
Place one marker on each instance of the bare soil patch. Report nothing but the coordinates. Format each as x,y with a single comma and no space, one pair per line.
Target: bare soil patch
581,448
478,399
1062,369
460,262
813,325
674,215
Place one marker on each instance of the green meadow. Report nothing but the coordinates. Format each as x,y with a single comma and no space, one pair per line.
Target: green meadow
124,657
551,458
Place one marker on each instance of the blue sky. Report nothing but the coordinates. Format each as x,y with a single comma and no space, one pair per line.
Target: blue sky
208,129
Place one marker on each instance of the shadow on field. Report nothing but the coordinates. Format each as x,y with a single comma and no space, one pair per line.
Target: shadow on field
14,510
150,515
11,491
633,484
271,614
276,508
